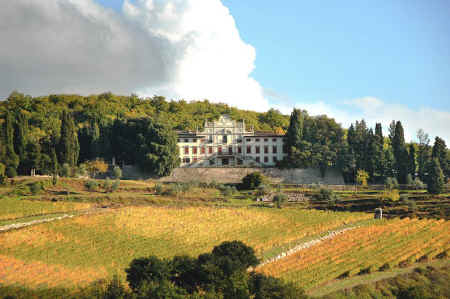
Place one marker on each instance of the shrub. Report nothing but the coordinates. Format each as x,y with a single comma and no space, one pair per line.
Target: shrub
158,189
11,172
115,185
418,184
391,183
91,185
279,198
409,180
390,195
326,195
228,191
96,166
117,172
362,177
2,174
385,267
107,185
65,170
253,180
36,187
367,270
262,190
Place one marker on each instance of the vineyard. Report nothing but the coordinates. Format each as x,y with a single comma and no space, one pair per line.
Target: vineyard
383,245
13,208
86,248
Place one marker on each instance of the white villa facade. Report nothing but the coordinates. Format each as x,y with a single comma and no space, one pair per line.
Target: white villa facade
228,143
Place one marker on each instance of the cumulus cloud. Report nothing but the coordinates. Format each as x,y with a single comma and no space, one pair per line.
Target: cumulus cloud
178,48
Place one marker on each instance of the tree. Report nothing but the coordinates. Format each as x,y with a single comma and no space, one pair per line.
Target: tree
412,161
423,155
435,177
252,180
11,159
400,153
32,159
270,287
294,132
20,140
151,269
440,152
362,177
96,166
68,147
241,255
117,172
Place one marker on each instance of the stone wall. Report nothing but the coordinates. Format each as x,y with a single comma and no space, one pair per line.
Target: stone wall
235,175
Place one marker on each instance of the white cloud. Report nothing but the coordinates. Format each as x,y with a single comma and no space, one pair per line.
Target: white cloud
178,48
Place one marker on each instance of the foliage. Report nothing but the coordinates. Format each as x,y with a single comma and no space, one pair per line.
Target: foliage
362,177
158,189
117,172
391,183
390,195
326,194
96,166
418,184
2,174
435,177
279,199
115,186
66,170
91,185
11,172
440,152
68,147
262,190
253,180
36,187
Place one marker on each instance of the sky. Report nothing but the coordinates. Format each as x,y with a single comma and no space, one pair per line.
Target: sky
378,60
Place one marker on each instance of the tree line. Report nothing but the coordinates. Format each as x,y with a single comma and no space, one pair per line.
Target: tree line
41,134
320,142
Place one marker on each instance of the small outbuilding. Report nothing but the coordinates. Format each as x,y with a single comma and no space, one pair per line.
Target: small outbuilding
378,213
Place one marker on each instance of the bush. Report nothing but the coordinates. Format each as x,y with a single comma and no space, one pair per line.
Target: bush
418,184
158,189
367,270
409,180
279,198
227,190
2,174
385,267
11,172
391,183
36,187
117,172
326,195
115,185
253,180
390,195
91,185
65,170
262,190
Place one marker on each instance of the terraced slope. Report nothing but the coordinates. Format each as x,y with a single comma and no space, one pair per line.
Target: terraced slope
364,249
79,250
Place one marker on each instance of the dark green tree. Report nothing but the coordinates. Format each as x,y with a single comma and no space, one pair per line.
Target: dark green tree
440,152
412,160
435,177
68,147
400,153
20,140
11,159
294,132
32,158
423,153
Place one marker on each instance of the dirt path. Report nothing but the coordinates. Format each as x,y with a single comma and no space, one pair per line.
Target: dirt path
19,224
306,245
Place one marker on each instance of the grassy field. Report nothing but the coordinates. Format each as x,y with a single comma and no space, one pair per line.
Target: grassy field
365,249
79,250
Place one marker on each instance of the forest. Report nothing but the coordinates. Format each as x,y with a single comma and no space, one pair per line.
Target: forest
43,134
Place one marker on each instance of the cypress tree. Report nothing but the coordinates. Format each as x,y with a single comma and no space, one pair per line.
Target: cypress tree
33,157
440,152
412,160
11,158
400,153
378,155
20,141
68,147
294,132
435,177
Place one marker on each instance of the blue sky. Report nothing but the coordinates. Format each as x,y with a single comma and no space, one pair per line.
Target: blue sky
333,51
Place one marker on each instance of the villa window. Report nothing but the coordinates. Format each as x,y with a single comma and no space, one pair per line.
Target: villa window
249,149
266,159
186,140
225,139
219,149
274,159
274,149
257,149
257,139
210,150
266,149
239,150
186,150
230,150
194,150
266,139
257,159
202,150
274,140
248,139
